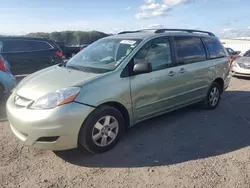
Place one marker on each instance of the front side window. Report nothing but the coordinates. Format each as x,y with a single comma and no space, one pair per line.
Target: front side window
103,55
189,49
157,52
215,49
12,46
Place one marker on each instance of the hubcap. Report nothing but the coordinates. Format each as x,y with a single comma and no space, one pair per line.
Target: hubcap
105,131
214,96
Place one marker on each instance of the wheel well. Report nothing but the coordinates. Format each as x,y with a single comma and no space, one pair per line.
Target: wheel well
122,110
220,81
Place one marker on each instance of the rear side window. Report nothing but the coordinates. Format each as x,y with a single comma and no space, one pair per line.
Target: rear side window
25,46
189,49
214,47
39,45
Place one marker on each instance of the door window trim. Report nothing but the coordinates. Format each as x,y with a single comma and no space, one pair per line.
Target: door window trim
51,47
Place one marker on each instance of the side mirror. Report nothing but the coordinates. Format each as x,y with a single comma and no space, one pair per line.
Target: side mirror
142,68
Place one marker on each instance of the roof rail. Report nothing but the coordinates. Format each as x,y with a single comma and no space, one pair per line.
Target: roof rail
184,30
124,32
164,30
138,31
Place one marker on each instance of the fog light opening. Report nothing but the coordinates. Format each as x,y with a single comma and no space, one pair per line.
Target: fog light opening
48,139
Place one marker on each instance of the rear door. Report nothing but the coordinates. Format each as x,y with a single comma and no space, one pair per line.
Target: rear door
193,68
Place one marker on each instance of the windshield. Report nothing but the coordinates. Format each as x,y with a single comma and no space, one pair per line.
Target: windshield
103,56
247,54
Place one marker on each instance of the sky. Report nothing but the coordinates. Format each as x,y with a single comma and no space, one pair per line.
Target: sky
226,18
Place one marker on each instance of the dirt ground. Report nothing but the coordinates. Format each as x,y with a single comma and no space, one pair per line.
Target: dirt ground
186,148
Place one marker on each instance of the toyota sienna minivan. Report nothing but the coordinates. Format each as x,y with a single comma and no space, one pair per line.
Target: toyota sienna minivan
115,83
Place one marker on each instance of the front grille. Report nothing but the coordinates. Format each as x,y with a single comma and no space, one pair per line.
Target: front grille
21,101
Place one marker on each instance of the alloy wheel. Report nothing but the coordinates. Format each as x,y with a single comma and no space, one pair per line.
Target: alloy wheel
105,131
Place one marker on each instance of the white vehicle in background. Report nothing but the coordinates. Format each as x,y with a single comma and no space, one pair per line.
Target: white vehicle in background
241,65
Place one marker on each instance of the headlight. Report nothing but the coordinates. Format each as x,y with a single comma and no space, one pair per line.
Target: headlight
54,99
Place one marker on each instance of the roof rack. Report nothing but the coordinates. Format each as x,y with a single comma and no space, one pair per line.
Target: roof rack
164,30
184,30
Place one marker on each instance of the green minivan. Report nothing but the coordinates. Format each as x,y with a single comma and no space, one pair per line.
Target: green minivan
115,83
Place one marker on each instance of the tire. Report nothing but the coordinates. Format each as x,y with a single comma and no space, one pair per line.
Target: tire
210,103
92,129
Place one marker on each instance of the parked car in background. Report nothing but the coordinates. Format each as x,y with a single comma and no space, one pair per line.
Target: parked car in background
27,55
247,54
241,65
70,51
233,54
61,45
7,80
116,82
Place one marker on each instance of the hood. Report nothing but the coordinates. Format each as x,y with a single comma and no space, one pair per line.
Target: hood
51,79
242,60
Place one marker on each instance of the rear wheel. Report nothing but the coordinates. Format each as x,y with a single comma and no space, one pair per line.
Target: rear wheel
213,96
102,129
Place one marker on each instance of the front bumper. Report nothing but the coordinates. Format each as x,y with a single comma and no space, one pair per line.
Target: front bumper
54,129
237,71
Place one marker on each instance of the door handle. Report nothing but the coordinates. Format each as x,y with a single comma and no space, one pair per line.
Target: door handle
171,73
182,71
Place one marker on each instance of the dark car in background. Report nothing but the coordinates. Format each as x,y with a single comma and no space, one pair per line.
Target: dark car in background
27,55
241,66
7,80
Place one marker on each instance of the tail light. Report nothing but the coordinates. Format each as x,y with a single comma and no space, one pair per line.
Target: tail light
59,53
2,65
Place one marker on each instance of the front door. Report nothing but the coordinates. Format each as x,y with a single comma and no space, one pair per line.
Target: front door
157,91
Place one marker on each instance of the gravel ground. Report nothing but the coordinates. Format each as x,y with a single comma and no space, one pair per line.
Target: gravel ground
187,148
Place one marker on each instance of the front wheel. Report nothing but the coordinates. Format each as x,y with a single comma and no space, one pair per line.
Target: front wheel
213,96
102,129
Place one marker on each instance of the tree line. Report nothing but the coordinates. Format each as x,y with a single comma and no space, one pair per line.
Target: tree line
71,37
